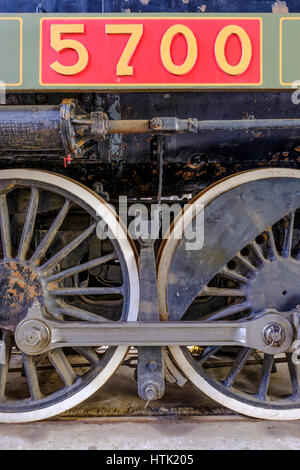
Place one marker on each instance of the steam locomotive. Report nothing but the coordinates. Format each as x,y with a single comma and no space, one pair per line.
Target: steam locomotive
149,198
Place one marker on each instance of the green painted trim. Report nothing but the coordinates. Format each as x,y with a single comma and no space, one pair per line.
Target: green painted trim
271,52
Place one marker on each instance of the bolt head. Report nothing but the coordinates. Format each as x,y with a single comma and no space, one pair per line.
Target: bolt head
152,365
150,392
156,123
273,334
33,336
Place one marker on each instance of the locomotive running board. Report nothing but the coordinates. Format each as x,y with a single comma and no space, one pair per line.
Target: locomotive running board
271,333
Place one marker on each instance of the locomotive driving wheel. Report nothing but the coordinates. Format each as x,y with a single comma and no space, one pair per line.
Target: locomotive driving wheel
249,263
48,224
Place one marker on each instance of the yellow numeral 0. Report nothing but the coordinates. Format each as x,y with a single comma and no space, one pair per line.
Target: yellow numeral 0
59,44
220,50
165,49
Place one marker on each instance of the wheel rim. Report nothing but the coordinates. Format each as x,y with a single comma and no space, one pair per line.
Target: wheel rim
39,265
241,378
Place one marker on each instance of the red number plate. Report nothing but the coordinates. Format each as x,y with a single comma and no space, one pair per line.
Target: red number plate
151,51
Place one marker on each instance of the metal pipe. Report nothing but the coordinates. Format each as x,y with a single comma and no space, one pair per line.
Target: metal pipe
245,124
124,126
30,128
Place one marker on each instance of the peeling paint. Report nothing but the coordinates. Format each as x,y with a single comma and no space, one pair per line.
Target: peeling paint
280,7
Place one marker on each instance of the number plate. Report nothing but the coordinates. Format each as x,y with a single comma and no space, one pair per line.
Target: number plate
151,51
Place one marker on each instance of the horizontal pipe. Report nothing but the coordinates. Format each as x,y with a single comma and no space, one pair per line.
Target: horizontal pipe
244,124
30,128
166,124
125,126
42,128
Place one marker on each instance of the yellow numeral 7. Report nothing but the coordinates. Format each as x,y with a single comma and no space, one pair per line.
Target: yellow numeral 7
136,32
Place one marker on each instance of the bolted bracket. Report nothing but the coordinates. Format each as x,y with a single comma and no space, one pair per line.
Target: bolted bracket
150,369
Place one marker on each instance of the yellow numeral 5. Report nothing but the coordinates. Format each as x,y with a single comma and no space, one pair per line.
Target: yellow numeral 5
136,32
59,44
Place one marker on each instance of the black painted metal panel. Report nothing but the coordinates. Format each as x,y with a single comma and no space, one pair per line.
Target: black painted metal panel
144,6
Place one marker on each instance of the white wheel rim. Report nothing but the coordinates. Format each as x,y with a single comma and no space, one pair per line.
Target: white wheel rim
165,257
107,213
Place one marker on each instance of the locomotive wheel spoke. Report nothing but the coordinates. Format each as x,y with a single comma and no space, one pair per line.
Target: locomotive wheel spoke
221,292
29,224
237,366
246,263
294,375
288,235
87,291
265,376
7,341
227,311
56,259
62,366
272,245
32,377
51,234
88,353
82,267
5,228
75,312
255,247
233,275
208,352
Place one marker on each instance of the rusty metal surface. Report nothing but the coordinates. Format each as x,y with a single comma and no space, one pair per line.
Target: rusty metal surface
20,287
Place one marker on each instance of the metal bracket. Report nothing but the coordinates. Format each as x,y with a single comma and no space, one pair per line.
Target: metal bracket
150,369
99,126
173,124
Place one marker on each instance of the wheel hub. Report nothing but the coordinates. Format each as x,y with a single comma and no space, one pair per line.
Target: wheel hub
276,285
19,287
